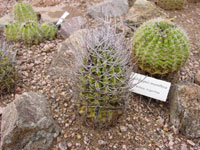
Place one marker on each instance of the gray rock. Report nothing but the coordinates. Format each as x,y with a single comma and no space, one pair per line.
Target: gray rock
63,60
197,78
27,124
185,108
71,25
142,11
109,8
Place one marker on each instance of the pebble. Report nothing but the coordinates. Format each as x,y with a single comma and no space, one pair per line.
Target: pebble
102,143
190,142
123,128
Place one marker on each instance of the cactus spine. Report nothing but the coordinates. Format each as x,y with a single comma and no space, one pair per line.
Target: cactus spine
101,81
49,31
160,46
23,12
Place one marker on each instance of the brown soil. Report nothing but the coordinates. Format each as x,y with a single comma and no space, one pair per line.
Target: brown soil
144,126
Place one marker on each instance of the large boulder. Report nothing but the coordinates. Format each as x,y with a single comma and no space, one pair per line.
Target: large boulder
27,124
185,108
71,25
64,58
110,8
142,11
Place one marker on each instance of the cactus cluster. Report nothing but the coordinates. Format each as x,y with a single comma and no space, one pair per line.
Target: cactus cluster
101,79
26,27
171,4
8,75
160,46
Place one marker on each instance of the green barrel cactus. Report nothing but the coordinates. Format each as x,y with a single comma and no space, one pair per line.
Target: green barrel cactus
49,30
8,74
160,47
171,4
11,31
31,33
101,80
23,12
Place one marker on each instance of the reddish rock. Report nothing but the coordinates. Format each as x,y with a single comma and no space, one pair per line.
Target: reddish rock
185,108
27,124
71,25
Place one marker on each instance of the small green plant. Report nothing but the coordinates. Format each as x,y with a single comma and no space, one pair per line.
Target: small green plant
12,31
8,74
160,47
31,33
23,12
49,31
101,76
171,4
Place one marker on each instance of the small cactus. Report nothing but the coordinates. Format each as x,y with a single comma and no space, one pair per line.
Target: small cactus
31,33
101,81
8,74
171,4
23,12
49,30
12,31
160,47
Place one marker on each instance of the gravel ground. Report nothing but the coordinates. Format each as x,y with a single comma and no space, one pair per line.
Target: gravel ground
144,126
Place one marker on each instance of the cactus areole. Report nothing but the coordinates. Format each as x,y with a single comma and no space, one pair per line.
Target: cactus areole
160,47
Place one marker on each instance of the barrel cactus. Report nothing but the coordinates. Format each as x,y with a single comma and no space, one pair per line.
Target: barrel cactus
49,30
102,76
23,12
31,33
8,74
12,31
160,47
171,4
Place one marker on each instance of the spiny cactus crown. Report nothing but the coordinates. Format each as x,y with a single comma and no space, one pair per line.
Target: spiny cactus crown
160,46
31,33
49,30
8,74
101,79
12,31
23,12
171,4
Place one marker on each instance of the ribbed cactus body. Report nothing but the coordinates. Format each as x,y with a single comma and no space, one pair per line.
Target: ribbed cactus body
49,31
100,83
171,4
12,31
31,33
160,47
8,75
23,12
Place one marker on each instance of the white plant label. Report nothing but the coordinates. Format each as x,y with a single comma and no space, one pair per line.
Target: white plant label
150,87
62,18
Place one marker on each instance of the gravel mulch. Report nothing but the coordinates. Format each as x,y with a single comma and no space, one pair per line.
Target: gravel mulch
144,126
